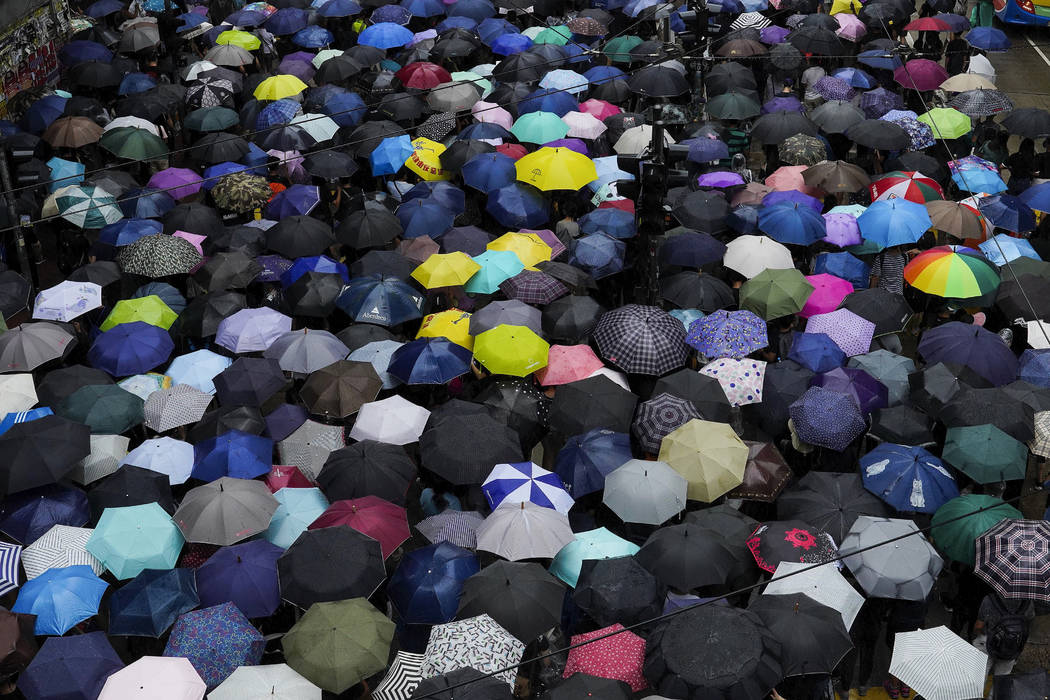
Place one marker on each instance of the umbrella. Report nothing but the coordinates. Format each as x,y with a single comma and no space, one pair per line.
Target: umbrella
151,602
595,402
823,584
243,574
712,464
618,658
70,666
365,468
476,642
765,475
772,293
216,640
904,569
616,589
641,339
985,453
306,578
907,478
279,680
155,677
1008,558
832,502
60,546
812,634
938,664
521,597
61,598
959,523
225,511
41,451
428,583
826,418
133,538
972,346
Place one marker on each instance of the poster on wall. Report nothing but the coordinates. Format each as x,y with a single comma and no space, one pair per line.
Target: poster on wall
29,50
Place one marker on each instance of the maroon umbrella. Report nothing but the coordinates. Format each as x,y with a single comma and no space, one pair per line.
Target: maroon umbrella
920,74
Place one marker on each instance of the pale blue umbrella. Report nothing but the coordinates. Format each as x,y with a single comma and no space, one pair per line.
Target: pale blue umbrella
298,508
1003,248
131,539
496,266
378,353
565,80
608,170
64,172
198,369
164,455
593,544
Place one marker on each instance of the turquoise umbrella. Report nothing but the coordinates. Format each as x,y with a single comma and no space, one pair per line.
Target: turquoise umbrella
539,127
593,544
496,266
298,508
133,538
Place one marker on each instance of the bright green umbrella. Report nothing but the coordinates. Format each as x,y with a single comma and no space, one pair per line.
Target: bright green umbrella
775,293
985,453
619,48
512,350
947,123
559,36
131,539
150,309
211,119
105,408
133,144
592,544
496,266
539,127
958,537
336,645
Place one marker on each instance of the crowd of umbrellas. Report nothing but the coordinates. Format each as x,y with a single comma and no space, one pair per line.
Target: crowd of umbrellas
268,444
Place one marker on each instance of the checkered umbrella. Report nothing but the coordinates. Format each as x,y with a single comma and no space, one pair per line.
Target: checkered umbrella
659,416
309,446
981,103
533,287
1040,444
182,404
478,642
641,339
1013,556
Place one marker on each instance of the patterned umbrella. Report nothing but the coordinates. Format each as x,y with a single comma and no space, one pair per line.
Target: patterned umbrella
852,333
766,473
216,640
533,287
920,133
241,192
741,380
453,526
659,416
478,642
159,255
60,546
619,657
85,206
182,404
1012,557
824,584
401,679
790,541
641,339
939,664
826,418
981,103
525,482
723,333
309,446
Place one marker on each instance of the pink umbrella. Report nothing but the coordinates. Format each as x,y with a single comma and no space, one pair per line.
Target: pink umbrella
619,657
842,230
492,113
370,515
195,239
178,182
850,26
920,74
852,333
789,177
568,363
557,247
599,108
828,293
584,125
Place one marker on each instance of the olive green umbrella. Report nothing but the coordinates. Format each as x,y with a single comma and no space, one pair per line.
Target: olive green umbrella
708,455
774,293
959,522
241,192
985,453
338,644
133,144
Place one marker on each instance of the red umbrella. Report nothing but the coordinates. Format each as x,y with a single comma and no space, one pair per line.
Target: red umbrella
619,657
514,150
920,74
370,515
282,476
423,75
927,24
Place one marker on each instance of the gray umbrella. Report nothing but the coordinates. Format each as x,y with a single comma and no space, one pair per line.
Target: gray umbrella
179,405
512,313
890,369
26,347
904,569
225,511
309,445
452,97
835,116
647,492
306,351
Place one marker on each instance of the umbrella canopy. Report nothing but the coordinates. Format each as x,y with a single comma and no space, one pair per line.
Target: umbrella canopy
216,641
155,677
521,597
1009,556
131,539
225,511
61,598
478,642
151,602
306,578
892,559
938,663
956,535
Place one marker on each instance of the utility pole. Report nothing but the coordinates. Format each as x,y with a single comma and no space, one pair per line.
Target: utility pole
652,191
17,232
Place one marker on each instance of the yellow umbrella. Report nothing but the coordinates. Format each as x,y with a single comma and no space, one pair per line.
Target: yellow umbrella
277,87
556,169
235,37
513,350
445,270
709,455
452,324
425,160
848,6
529,247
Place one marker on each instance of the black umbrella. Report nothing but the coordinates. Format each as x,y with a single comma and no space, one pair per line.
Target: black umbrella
522,67
903,425
330,165
876,133
616,90
130,486
246,419
100,272
571,319
702,211
367,468
813,637
232,270
704,392
192,217
358,335
287,137
919,162
204,313
313,294
60,383
687,557
331,563
713,652
1034,685
829,501
250,381
778,126
337,69
618,590
453,157
492,442
143,106
1029,122
728,76
367,136
299,237
734,525
990,406
401,107
250,240
465,683
692,290
582,685
218,148
619,123
836,116
95,74
1038,397
658,81
521,405
889,312
816,40
570,275
936,385
370,227
522,597
1027,297
41,451
387,263
595,402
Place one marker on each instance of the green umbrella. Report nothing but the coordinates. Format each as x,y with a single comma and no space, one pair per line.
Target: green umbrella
336,645
985,453
958,538
774,293
133,144
539,127
105,408
150,309
132,539
732,105
619,48
559,36
211,119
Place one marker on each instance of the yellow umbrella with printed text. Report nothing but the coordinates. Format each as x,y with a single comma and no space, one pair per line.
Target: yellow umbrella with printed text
425,160
529,247
452,324
445,270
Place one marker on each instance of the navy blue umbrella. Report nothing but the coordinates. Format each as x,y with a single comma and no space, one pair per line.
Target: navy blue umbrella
598,254
827,418
128,231
243,574
131,348
146,203
345,108
509,44
816,352
616,223
973,346
287,20
484,130
426,586
70,668
907,478
386,301
103,8
705,150
455,23
477,10
42,112
234,453
285,420
313,263
147,605
424,217
313,37
1008,212
791,223
429,361
446,194
134,83
518,206
489,29
339,8
424,8
27,515
489,171
585,460
82,50
744,219
691,249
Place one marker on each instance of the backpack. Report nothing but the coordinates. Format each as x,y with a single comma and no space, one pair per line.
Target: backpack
1007,637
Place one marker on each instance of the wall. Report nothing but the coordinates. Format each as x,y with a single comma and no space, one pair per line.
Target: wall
34,32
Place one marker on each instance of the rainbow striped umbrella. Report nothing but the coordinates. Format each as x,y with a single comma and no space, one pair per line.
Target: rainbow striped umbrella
955,272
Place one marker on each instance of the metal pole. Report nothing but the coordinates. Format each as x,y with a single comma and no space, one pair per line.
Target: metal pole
18,233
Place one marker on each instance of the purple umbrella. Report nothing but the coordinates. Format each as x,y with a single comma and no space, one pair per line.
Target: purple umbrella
793,197
297,200
782,104
300,69
879,101
131,348
973,346
467,239
831,88
285,420
720,178
727,334
773,35
827,418
869,393
842,230
251,330
244,574
705,150
572,144
852,333
273,266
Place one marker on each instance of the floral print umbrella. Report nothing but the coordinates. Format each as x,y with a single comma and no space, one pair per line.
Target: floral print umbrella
619,657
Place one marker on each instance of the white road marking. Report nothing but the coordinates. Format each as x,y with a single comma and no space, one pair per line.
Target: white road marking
1037,49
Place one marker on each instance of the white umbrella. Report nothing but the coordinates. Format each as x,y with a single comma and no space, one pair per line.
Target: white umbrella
1038,334
323,55
637,140
155,678
67,300
982,66
17,392
134,123
824,584
524,531
104,459
395,421
274,681
645,492
749,255
320,126
939,664
197,68
584,125
59,547
618,377
164,455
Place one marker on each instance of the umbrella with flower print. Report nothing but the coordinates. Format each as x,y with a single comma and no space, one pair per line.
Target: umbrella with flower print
723,333
618,657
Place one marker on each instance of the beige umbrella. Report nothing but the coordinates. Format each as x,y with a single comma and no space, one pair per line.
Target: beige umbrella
710,456
967,81
72,132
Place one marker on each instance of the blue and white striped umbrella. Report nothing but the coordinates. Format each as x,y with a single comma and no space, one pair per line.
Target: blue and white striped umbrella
9,557
522,482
